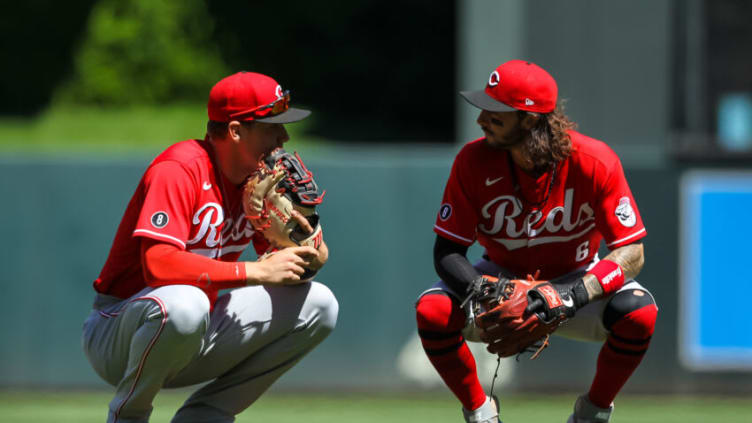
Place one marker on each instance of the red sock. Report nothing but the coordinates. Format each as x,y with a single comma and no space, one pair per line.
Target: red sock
621,354
440,322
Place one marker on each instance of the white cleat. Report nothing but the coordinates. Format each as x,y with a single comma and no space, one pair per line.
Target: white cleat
586,412
486,413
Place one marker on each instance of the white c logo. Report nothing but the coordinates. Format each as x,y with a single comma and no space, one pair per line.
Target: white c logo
493,79
278,91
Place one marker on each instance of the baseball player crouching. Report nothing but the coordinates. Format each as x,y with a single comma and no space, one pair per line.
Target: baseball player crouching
538,196
158,320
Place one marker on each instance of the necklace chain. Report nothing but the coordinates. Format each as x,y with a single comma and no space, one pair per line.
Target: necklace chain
521,200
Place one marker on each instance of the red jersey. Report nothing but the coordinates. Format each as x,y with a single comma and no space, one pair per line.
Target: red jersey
554,222
185,200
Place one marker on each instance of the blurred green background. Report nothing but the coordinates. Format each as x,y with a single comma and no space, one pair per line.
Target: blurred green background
91,90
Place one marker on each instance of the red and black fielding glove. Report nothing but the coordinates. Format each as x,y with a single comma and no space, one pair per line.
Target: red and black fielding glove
500,306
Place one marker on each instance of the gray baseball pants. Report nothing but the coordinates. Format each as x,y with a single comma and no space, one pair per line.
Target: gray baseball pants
166,337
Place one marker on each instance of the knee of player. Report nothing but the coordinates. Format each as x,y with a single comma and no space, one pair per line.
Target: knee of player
631,313
188,313
438,312
323,300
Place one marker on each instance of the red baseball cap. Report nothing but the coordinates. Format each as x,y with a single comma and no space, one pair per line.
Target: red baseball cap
250,96
516,85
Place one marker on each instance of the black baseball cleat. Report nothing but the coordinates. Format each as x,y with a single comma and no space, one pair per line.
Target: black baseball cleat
587,412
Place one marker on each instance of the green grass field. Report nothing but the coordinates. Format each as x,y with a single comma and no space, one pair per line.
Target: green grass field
84,407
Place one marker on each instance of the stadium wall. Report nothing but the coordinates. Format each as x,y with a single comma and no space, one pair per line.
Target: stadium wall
60,215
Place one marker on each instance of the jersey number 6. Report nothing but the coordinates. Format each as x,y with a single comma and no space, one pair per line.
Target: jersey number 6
582,251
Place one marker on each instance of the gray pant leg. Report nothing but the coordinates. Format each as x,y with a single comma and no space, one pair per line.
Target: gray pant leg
139,343
256,334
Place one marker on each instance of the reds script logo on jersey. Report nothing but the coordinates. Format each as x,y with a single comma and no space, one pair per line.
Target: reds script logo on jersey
552,222
504,211
234,235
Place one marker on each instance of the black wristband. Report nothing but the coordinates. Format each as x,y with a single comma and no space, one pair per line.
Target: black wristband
580,294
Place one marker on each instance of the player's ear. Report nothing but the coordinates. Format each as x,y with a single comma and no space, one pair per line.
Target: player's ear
529,120
233,130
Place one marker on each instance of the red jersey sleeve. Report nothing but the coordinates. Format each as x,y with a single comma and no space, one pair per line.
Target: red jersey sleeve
457,218
169,196
617,217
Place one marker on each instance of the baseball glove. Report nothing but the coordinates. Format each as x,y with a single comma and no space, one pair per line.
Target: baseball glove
280,185
502,310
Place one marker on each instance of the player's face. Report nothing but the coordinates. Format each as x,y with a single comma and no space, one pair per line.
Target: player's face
259,139
502,129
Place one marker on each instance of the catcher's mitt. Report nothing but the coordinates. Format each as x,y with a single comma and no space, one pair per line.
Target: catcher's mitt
499,305
280,185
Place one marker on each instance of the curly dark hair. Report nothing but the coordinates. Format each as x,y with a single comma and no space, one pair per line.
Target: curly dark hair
549,140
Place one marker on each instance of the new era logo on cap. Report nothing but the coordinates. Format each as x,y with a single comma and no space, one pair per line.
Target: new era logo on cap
516,85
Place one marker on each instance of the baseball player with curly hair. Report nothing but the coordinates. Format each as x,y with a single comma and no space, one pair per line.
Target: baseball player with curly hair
158,319
539,197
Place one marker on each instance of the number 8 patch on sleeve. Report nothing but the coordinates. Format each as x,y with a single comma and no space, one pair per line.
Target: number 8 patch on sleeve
159,219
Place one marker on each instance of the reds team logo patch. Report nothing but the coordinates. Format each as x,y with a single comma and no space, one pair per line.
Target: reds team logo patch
625,213
159,219
444,212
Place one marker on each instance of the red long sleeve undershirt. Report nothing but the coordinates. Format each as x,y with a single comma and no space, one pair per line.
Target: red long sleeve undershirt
166,264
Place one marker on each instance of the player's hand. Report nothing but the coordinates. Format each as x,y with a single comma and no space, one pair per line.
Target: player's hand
302,221
551,303
283,267
318,262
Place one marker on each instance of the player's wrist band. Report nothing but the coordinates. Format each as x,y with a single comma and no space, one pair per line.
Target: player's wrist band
609,275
